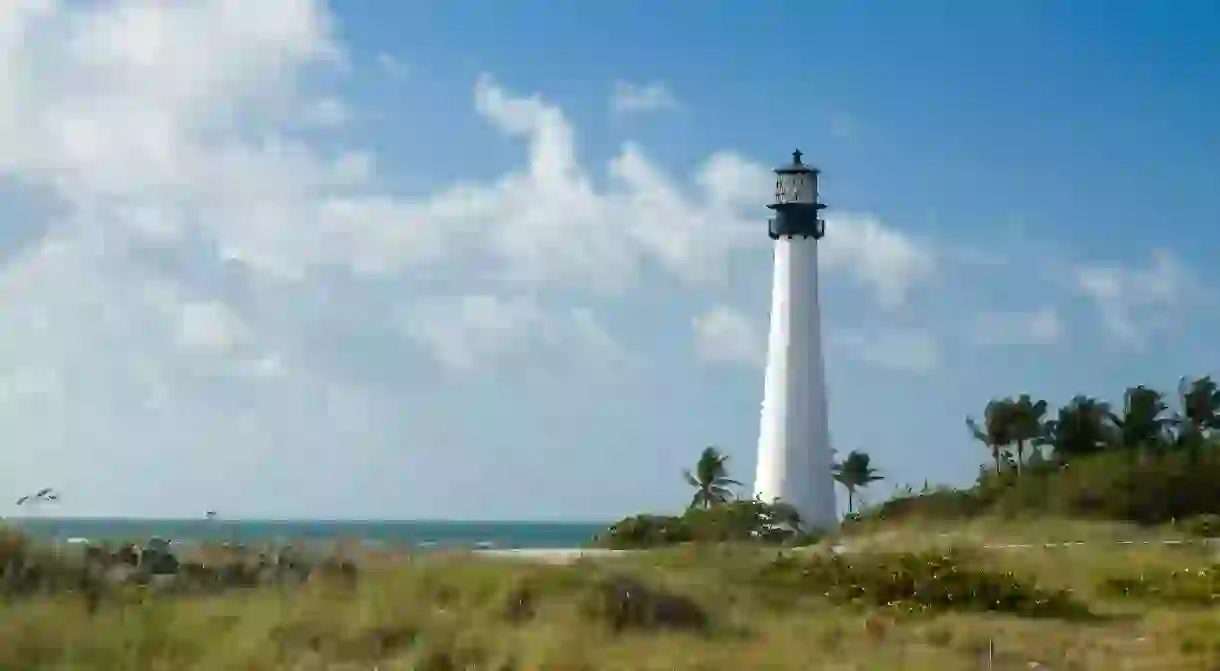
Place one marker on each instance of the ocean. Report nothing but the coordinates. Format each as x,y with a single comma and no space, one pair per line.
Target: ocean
422,534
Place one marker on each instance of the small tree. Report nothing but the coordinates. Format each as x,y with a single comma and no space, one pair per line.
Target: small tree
1081,428
996,431
1200,410
855,472
710,479
1025,424
1143,424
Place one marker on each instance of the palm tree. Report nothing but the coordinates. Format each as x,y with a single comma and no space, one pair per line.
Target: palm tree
996,432
1200,399
710,479
1143,423
855,472
1082,427
1025,417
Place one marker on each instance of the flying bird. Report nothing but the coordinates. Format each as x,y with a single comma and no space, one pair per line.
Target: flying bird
44,494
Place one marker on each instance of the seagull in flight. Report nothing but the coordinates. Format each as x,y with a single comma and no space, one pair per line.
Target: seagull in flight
44,494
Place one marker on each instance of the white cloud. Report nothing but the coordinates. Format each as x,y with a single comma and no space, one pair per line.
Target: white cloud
158,123
628,98
885,259
1040,327
210,259
463,331
1133,303
730,180
210,325
904,350
327,113
392,66
466,331
726,335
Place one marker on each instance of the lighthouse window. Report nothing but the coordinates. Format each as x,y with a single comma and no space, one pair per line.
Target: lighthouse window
794,188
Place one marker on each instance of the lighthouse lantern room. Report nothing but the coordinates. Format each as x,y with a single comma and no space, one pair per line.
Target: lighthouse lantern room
796,203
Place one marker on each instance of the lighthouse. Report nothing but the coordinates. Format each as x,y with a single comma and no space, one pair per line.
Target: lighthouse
794,455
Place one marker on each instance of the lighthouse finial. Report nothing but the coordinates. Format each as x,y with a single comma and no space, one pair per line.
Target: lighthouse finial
796,157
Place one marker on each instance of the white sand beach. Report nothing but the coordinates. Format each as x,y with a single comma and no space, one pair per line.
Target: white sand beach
552,555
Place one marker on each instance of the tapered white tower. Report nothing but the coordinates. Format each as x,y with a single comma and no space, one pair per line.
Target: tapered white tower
794,455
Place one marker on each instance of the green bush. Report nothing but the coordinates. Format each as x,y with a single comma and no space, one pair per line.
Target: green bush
625,602
914,582
1145,488
643,531
1186,586
735,521
941,504
1202,526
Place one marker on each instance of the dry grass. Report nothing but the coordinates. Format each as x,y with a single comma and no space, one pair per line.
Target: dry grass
465,612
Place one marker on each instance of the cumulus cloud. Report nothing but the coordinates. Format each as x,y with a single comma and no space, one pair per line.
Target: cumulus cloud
465,332
885,259
726,335
898,349
393,67
628,98
1039,327
1131,302
211,259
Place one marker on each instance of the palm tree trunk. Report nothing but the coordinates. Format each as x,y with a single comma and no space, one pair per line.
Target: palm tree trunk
995,453
851,507
1020,455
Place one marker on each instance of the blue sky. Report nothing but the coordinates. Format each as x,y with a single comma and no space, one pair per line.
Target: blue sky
443,260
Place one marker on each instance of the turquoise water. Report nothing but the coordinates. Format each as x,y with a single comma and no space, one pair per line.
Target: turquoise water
395,533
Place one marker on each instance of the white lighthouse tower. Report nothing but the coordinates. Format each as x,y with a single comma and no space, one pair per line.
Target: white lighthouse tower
794,455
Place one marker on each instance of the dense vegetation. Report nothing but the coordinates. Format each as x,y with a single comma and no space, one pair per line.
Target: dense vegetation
1142,462
714,515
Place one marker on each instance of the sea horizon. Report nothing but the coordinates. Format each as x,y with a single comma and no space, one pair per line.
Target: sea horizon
511,534
312,520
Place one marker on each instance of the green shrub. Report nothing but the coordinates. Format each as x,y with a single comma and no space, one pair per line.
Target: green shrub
915,582
13,546
643,531
1185,586
1146,489
940,504
1202,526
735,521
624,602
